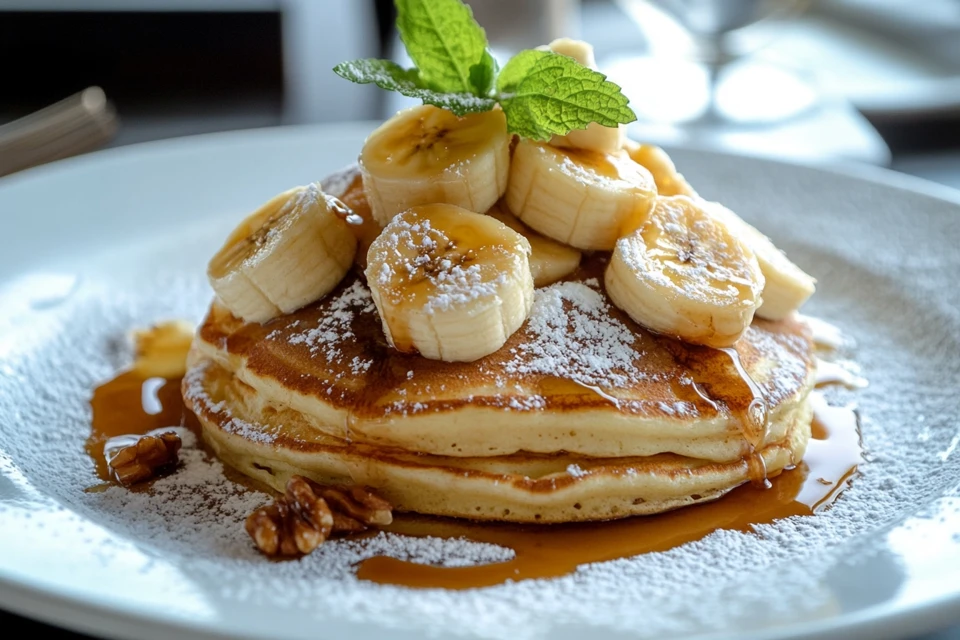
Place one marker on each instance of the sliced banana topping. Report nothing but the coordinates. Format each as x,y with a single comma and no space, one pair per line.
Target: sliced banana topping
449,284
582,198
290,252
550,261
426,155
670,182
787,287
595,137
686,274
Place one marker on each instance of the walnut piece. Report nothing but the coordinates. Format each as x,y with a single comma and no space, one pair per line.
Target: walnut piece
356,504
133,459
307,514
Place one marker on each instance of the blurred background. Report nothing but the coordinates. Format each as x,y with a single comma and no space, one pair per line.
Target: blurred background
870,81
873,81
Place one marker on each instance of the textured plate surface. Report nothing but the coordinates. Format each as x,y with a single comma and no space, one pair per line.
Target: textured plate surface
96,246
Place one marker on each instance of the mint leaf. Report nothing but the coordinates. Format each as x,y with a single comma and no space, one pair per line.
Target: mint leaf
383,73
555,95
444,42
517,68
391,76
483,74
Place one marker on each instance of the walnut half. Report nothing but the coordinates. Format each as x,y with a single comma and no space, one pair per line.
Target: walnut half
307,513
133,459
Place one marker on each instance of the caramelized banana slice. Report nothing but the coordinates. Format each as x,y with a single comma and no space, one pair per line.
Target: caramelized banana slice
686,274
449,284
427,155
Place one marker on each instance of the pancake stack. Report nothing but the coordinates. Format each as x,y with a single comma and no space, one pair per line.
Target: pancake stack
582,415
478,325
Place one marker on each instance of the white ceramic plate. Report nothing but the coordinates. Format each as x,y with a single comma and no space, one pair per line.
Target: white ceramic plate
98,245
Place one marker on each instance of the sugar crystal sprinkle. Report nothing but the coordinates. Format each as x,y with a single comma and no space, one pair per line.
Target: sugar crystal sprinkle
574,336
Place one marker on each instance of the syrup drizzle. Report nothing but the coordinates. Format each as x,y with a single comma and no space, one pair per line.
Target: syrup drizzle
359,217
547,551
717,378
754,421
825,335
127,407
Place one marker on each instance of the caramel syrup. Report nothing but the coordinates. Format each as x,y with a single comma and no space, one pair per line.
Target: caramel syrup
547,551
129,406
718,377
359,217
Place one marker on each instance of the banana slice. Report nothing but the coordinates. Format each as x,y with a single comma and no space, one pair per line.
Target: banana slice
581,198
449,284
427,155
290,252
685,274
787,287
550,261
670,182
595,137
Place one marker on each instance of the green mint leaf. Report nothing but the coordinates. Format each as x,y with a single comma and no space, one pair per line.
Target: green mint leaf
383,73
517,68
483,74
555,95
391,76
444,42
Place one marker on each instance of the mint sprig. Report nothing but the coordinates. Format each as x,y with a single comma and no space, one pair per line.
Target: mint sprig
555,95
541,93
444,42
392,77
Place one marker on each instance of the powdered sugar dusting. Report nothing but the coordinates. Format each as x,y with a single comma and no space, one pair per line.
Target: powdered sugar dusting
687,256
575,471
454,281
575,337
231,424
335,327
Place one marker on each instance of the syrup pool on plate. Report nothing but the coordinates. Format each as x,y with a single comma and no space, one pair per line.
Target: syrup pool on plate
127,406
547,551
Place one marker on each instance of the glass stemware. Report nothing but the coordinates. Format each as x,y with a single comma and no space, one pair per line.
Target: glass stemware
696,73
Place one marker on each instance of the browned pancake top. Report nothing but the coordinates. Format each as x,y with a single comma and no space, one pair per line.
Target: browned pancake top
575,351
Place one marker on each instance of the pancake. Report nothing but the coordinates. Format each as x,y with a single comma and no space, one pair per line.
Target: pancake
579,376
270,443
582,415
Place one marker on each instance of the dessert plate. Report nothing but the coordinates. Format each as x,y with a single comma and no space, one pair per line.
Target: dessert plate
98,245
